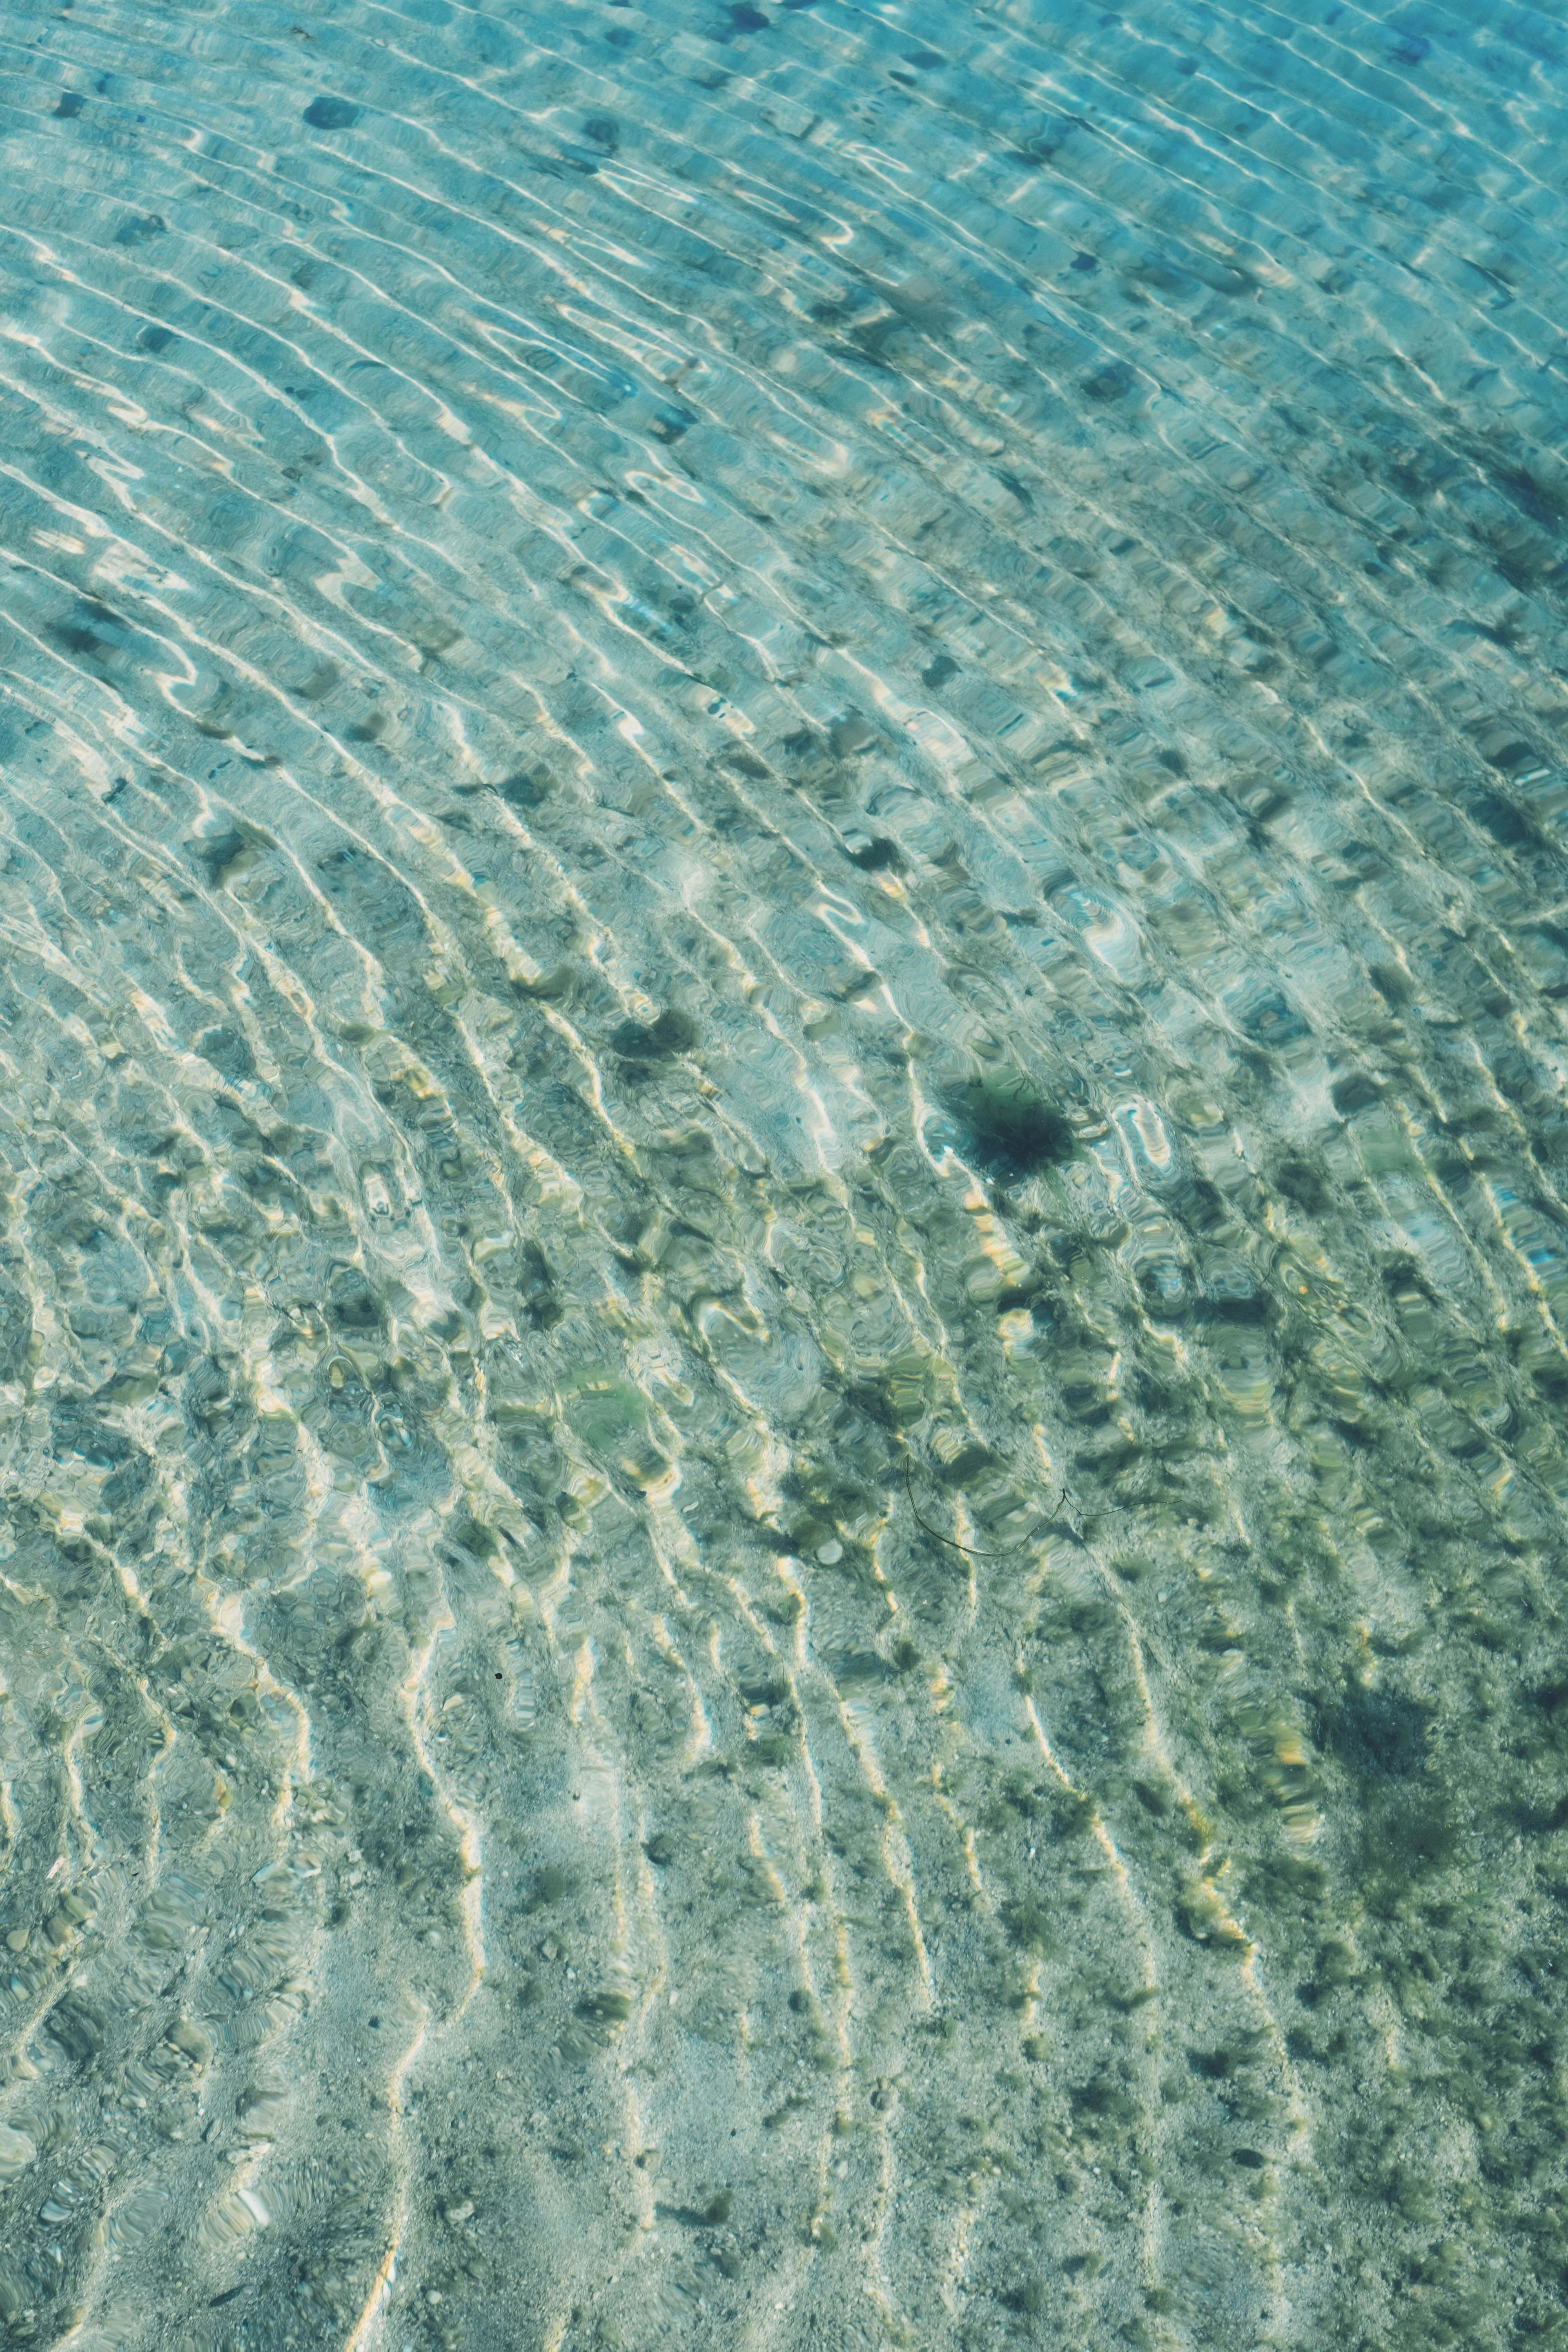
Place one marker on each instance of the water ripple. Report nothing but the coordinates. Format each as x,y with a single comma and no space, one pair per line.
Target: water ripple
772,773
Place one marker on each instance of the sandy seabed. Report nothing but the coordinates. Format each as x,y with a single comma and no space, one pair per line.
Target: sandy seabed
783,805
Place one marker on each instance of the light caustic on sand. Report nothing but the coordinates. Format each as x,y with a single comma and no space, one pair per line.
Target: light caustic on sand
751,757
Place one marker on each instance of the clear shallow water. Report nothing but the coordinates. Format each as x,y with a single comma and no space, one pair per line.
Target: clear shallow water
778,793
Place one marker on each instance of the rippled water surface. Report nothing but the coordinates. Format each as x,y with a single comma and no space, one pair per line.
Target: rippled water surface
782,1396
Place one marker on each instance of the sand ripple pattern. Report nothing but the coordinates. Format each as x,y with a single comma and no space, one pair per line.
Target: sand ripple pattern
753,760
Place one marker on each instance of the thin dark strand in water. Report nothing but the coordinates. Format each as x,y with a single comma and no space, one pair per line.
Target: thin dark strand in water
973,1554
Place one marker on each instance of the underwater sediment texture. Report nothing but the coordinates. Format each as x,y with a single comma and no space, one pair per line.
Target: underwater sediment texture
769,773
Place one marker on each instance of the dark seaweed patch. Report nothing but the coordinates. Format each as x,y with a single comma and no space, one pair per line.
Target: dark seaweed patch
332,114
879,856
1010,1131
1379,1734
673,1032
1108,384
141,229
527,789
92,630
354,1306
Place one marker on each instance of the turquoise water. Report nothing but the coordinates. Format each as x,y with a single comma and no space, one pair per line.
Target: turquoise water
783,799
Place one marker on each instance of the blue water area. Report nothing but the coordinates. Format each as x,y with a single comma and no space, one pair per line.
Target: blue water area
784,794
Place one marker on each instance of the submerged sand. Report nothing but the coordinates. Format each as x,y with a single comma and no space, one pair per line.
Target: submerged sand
781,1382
